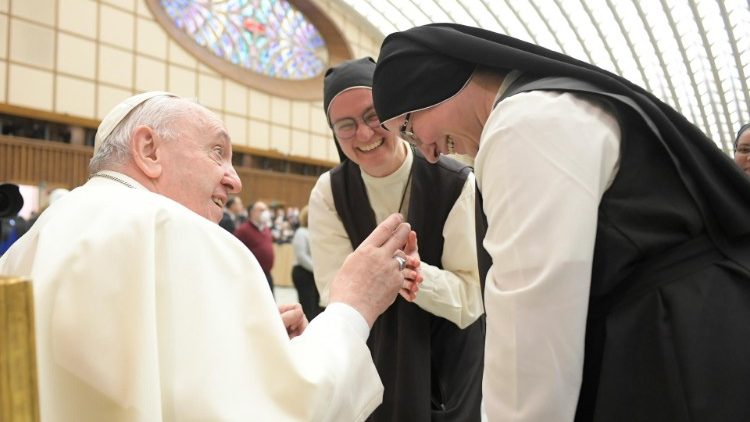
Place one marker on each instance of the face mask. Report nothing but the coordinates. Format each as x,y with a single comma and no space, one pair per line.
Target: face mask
265,217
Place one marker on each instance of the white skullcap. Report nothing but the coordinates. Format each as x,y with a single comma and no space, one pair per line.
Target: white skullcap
119,112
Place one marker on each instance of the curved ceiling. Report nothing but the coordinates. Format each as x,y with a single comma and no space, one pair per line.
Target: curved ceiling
693,54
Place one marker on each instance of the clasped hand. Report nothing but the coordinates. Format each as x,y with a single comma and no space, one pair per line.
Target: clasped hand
412,275
370,277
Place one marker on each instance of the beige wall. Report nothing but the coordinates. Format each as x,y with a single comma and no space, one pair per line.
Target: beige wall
80,57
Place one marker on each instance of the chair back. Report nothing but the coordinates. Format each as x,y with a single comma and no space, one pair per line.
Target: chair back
19,393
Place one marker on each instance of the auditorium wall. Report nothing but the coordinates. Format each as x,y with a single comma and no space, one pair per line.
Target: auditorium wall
77,58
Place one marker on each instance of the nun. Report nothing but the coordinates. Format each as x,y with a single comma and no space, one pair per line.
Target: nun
619,234
428,348
742,148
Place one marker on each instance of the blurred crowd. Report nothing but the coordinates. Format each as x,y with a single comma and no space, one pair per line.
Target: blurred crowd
281,221
13,225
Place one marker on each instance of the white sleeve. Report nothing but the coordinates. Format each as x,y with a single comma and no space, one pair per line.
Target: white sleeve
329,242
352,316
544,162
454,292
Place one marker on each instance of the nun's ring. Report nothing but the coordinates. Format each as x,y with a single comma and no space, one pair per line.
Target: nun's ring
401,262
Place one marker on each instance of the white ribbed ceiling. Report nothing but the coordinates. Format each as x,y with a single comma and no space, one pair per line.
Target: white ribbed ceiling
693,54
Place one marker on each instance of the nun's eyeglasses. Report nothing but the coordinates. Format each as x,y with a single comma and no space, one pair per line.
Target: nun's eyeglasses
345,129
406,131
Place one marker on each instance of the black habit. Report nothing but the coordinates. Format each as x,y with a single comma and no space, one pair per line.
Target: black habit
431,369
668,330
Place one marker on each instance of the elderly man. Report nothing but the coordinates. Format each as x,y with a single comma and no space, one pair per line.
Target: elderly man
147,310
255,233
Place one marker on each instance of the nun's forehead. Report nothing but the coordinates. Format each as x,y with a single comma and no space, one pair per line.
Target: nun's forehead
744,129
339,94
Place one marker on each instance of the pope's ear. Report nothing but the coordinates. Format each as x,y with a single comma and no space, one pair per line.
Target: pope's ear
145,148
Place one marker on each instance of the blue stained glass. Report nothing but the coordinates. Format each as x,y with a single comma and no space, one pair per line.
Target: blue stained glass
265,36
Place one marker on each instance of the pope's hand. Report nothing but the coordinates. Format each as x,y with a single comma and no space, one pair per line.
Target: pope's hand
294,319
370,277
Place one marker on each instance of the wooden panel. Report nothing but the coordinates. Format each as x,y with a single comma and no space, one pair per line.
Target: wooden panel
279,156
32,162
292,190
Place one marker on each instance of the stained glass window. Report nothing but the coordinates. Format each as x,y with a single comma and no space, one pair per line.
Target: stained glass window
269,37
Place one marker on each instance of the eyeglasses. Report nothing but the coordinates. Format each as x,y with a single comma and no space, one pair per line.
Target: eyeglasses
743,149
406,131
345,129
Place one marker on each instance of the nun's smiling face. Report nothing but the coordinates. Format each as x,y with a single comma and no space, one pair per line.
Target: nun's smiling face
742,152
358,132
446,128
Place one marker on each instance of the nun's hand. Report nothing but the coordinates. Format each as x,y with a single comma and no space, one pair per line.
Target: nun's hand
412,274
371,277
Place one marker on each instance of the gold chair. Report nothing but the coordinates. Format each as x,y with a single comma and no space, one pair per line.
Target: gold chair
19,393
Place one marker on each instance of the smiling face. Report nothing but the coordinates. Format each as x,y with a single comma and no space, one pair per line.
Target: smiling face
377,151
197,166
742,153
447,128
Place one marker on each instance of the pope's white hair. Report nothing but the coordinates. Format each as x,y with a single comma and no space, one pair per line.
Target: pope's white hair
164,114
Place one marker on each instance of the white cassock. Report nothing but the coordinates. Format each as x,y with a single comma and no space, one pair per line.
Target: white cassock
146,311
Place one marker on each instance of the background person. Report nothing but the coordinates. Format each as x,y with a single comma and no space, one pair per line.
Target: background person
234,214
742,148
255,233
620,286
302,270
12,225
53,197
